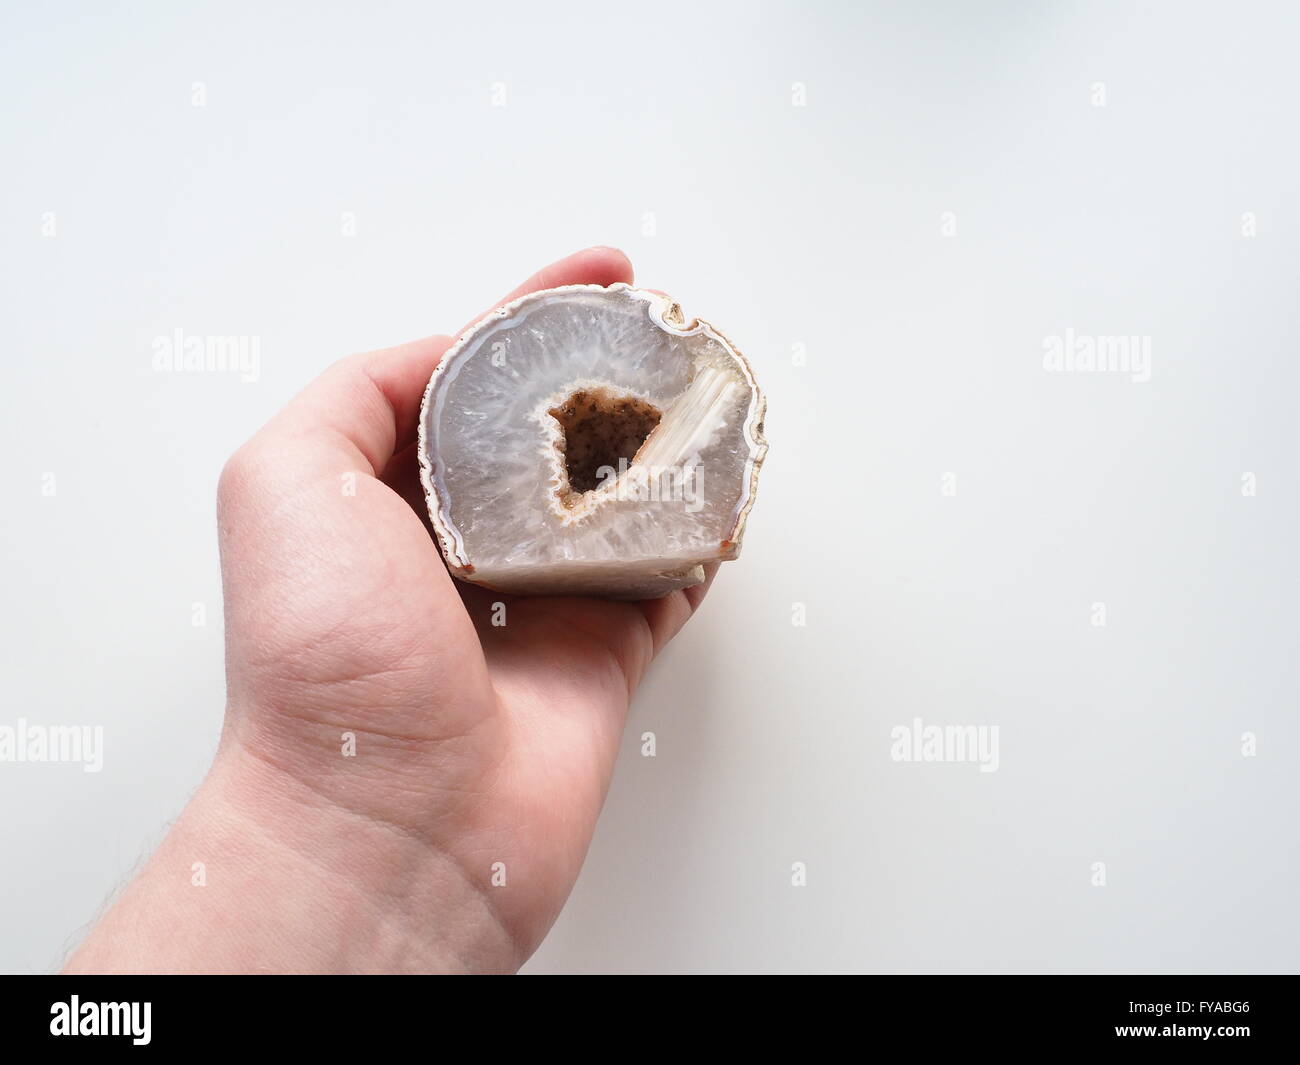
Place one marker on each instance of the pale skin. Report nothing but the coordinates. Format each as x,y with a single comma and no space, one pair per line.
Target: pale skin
450,839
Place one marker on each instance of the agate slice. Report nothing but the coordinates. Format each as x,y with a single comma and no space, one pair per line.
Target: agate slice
590,441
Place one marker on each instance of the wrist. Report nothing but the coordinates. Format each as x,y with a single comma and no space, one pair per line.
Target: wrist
262,874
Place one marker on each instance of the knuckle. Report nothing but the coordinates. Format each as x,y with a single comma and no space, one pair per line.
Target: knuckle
237,475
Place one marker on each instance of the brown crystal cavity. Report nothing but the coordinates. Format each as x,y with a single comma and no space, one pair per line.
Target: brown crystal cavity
600,428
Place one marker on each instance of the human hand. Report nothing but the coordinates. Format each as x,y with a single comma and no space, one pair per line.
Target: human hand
448,831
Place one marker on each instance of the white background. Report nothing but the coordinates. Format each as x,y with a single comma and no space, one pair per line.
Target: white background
672,131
